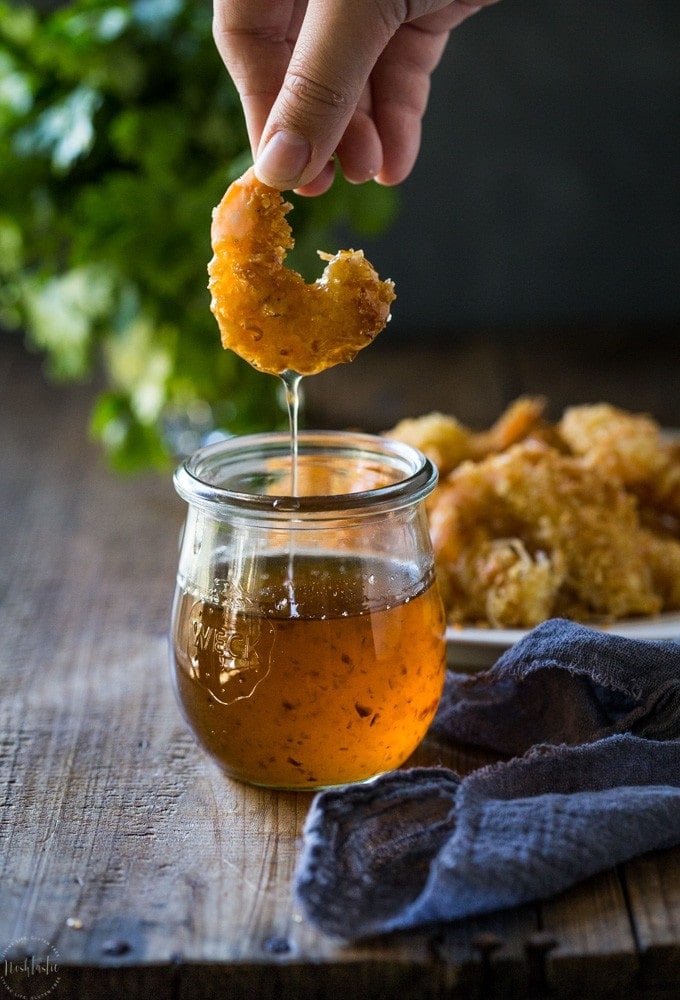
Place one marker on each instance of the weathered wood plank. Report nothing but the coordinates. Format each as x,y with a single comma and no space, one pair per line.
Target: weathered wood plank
474,379
594,946
129,848
639,372
128,851
490,952
653,885
384,385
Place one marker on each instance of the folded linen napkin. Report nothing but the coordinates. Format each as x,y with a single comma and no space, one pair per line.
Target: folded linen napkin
593,722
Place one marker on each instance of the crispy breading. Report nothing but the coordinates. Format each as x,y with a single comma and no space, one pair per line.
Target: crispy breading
266,312
579,519
573,534
447,442
444,440
629,446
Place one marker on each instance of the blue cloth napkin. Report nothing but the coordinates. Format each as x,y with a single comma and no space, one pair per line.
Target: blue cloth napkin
590,723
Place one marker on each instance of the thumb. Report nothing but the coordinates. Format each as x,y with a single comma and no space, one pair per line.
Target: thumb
337,47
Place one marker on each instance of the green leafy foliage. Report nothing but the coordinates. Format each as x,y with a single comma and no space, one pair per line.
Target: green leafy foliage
120,130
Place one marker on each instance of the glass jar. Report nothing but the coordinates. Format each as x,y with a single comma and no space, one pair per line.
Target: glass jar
307,627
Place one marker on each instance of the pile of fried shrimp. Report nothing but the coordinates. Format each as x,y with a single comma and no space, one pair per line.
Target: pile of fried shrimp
578,518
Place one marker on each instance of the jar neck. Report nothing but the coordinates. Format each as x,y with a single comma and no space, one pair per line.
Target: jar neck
339,475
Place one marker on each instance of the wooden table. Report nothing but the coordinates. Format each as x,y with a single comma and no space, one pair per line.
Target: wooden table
147,873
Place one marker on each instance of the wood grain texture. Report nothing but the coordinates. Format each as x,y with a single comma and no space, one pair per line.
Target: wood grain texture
145,868
475,378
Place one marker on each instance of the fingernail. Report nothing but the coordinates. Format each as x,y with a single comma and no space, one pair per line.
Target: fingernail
283,159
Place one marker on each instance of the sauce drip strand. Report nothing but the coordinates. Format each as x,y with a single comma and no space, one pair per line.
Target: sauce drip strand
291,385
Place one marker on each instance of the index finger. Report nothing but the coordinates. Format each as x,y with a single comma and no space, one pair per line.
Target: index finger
255,40
337,46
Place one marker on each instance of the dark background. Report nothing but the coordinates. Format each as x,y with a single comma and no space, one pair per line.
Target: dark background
537,245
547,192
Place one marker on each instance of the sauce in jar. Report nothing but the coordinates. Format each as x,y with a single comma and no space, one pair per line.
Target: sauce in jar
332,678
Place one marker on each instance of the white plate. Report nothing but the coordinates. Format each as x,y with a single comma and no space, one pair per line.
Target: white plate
470,649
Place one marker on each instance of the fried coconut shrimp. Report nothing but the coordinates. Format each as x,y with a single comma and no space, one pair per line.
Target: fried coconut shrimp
444,440
623,445
523,418
266,312
629,447
578,518
530,533
447,442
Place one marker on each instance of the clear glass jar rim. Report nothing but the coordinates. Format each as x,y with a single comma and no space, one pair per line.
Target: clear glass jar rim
193,482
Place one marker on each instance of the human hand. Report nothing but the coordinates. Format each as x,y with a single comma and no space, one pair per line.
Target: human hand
344,77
